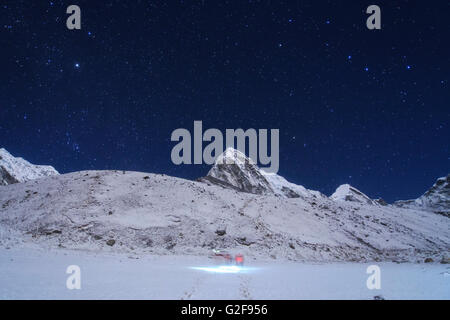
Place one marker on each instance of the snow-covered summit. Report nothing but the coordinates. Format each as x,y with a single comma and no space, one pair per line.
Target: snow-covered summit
235,170
436,199
233,156
16,169
346,192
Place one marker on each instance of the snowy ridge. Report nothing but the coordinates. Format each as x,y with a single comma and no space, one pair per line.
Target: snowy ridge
15,170
436,199
273,218
232,168
150,213
287,189
233,156
346,192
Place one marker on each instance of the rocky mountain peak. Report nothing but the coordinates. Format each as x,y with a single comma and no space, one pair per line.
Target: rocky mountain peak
346,192
16,169
436,199
235,170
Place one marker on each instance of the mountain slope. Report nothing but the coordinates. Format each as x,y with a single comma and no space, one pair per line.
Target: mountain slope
346,192
149,213
436,199
234,170
15,170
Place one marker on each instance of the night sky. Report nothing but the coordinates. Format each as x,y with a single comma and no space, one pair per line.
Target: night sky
365,107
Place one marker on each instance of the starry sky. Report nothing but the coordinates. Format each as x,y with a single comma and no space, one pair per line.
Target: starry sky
365,107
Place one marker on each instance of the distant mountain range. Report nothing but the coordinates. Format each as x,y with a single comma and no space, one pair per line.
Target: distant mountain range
436,199
234,170
15,170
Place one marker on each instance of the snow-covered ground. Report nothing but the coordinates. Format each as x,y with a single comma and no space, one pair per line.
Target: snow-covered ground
33,273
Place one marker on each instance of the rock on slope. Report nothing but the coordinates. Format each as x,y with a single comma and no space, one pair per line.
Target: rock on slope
436,199
15,170
234,170
150,213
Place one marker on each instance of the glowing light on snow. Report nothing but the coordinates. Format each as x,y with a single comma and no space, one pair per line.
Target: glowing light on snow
223,269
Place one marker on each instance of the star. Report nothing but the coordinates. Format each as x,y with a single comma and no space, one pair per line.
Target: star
211,78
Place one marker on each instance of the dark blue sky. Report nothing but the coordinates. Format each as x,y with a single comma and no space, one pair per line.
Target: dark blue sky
369,108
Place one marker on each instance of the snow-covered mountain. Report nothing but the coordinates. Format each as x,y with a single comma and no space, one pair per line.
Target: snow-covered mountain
240,208
144,213
15,169
346,192
234,170
436,199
